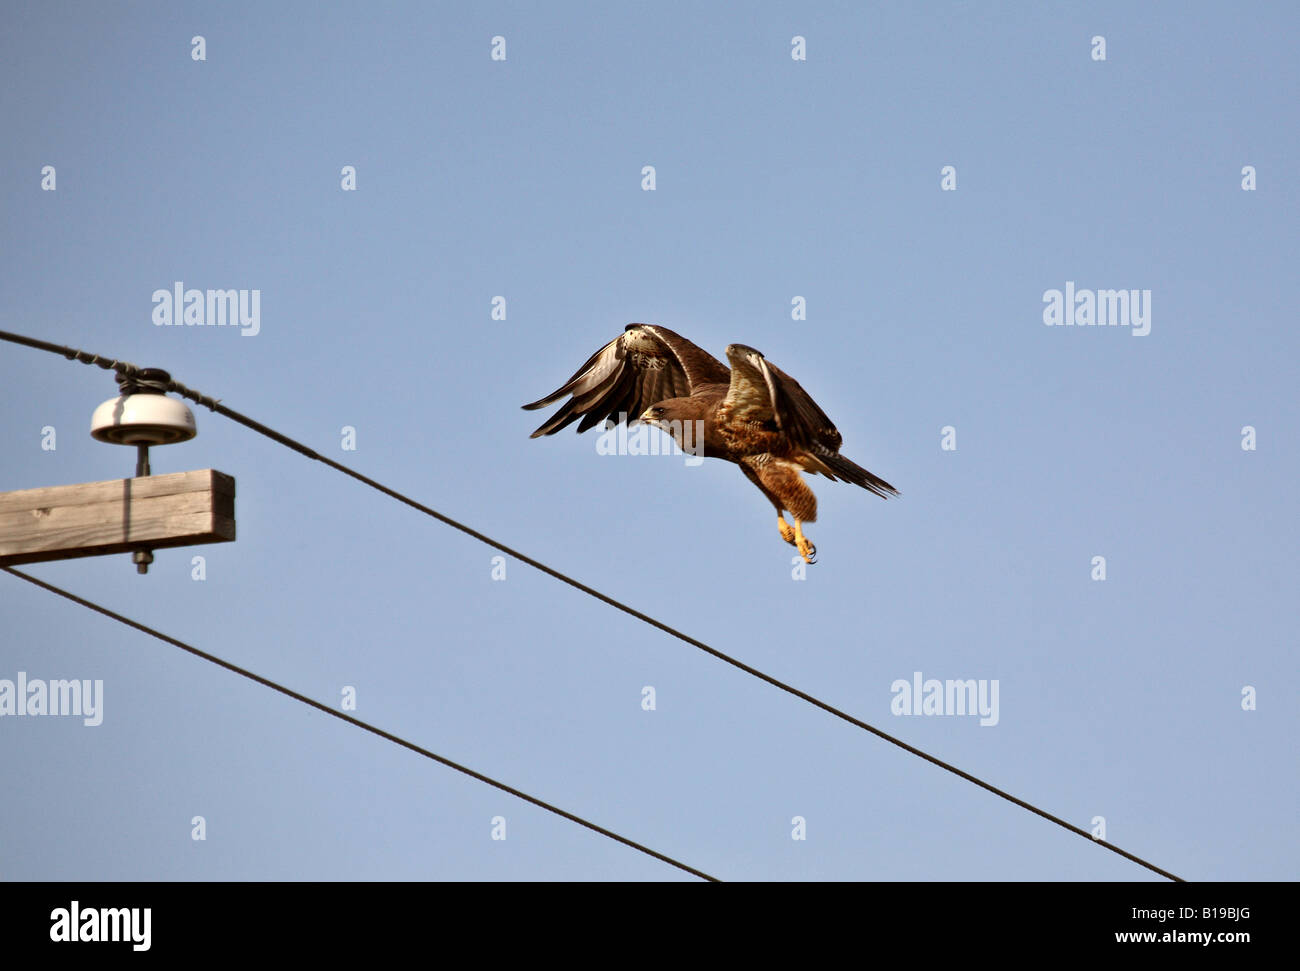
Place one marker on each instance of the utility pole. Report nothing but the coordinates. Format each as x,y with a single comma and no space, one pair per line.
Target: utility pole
136,515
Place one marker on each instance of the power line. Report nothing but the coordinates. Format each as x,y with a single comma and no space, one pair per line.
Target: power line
126,369
296,696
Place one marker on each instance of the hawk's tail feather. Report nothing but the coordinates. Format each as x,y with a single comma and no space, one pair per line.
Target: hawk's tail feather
850,471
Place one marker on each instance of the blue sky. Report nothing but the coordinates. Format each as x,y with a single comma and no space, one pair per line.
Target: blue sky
775,179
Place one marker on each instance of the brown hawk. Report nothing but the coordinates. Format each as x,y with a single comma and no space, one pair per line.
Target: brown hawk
753,414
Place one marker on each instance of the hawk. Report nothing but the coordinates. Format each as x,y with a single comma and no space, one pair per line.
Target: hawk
753,414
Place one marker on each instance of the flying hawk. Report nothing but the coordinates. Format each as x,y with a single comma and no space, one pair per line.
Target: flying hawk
753,414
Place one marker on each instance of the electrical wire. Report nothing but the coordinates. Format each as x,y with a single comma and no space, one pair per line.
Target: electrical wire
389,736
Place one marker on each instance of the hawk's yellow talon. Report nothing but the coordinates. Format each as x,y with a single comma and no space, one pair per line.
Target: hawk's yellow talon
806,549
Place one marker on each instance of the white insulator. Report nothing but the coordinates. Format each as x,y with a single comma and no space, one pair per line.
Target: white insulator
142,419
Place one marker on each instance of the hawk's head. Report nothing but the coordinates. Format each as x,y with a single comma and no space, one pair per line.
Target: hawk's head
682,418
666,412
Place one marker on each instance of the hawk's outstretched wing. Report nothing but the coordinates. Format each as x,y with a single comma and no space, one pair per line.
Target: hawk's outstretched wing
643,365
761,392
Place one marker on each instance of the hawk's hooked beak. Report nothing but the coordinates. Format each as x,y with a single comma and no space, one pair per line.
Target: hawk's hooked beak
647,417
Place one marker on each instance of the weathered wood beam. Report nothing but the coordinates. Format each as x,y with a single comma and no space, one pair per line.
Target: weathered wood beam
117,516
